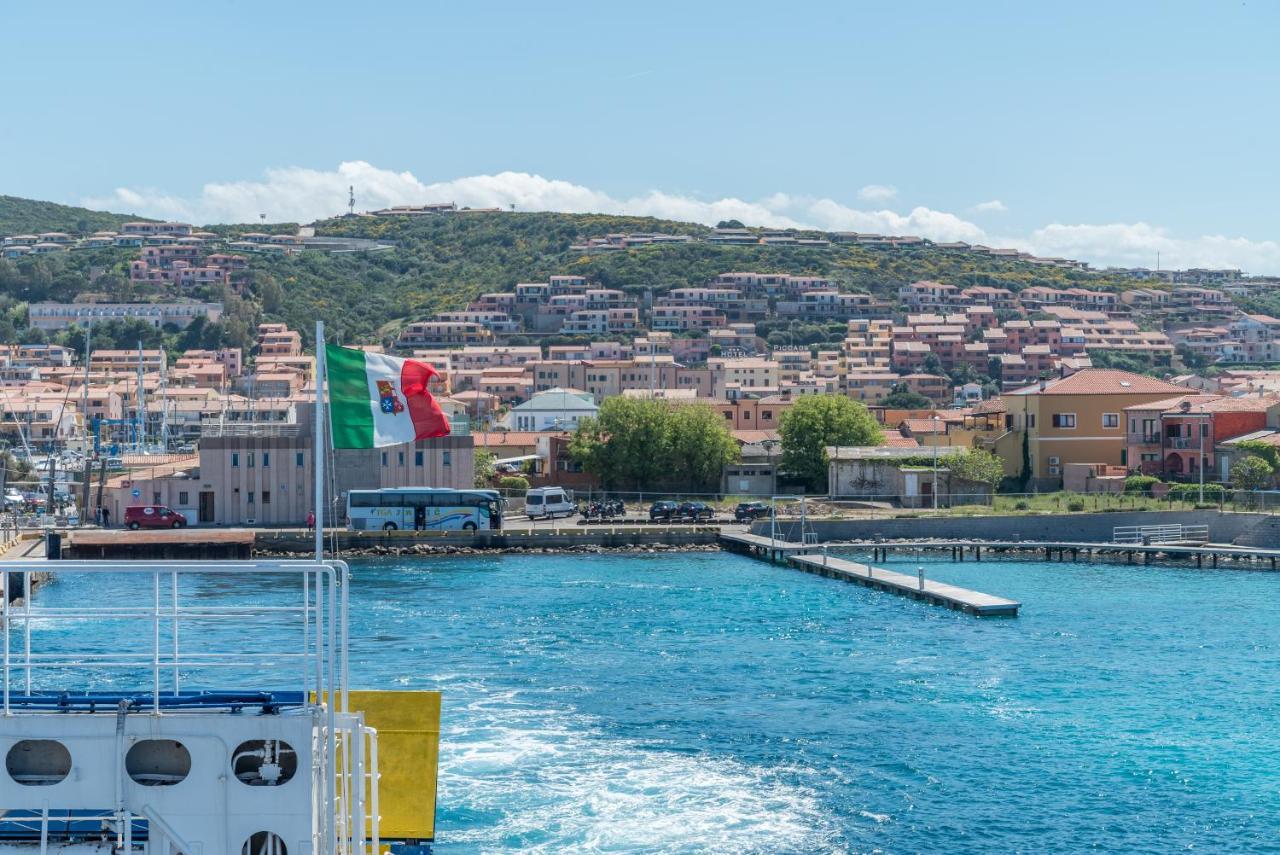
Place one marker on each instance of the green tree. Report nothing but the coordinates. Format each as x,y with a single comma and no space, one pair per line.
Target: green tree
1251,473
978,466
902,398
650,444
701,446
484,465
815,422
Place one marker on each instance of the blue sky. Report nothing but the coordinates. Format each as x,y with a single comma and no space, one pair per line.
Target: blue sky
1105,130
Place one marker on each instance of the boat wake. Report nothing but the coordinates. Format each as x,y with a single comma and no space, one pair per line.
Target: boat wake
553,781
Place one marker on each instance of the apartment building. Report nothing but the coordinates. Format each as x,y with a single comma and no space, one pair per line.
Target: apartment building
278,340
430,334
1076,419
831,304
57,316
1174,437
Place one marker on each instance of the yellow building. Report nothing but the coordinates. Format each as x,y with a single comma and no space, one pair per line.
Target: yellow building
1074,419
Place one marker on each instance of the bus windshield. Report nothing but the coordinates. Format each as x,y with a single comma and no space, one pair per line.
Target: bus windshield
424,509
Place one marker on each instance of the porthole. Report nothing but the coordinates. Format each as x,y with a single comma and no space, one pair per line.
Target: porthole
38,762
264,762
158,762
264,843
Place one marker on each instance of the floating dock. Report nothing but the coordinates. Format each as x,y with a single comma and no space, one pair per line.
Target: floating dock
801,556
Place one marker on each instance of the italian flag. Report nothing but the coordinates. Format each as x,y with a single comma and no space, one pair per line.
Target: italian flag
377,400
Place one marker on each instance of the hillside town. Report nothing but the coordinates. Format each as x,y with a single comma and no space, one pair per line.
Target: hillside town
1034,376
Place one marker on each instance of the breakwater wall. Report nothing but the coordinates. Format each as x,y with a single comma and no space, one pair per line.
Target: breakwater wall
408,542
1223,527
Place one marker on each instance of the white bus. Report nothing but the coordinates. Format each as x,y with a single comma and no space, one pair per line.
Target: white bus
424,509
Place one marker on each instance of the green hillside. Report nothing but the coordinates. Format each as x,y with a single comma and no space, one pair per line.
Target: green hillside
29,216
442,262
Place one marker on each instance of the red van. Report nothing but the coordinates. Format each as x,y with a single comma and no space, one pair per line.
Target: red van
152,516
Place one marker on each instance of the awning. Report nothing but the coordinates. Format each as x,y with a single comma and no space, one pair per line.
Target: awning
521,459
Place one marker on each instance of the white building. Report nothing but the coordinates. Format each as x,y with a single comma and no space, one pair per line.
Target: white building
553,410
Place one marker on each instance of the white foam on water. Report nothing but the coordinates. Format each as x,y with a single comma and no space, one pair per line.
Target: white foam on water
553,781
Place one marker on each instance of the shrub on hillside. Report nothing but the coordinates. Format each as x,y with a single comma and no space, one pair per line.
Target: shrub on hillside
1191,492
1140,484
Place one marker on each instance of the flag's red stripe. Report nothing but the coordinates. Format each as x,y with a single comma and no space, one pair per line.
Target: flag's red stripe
428,419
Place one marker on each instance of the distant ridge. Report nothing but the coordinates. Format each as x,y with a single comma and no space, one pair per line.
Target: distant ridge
23,216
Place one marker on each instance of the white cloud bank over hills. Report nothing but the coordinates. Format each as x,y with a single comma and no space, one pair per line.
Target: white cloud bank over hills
302,195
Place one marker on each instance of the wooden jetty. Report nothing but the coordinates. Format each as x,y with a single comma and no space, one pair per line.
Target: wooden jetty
801,556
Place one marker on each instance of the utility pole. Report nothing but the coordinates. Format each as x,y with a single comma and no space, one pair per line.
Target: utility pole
1203,430
50,507
935,461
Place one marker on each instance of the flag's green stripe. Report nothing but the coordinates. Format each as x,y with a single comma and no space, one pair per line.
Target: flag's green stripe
349,409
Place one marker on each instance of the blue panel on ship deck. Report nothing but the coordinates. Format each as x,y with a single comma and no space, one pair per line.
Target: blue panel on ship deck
236,701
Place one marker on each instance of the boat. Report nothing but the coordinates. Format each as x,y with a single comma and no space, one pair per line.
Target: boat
110,748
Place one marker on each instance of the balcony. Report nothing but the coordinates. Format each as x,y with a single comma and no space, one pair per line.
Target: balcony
1142,439
1186,442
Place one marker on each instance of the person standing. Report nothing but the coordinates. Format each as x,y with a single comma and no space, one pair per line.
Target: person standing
106,517
311,520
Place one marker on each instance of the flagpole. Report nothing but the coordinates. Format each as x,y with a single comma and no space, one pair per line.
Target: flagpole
318,442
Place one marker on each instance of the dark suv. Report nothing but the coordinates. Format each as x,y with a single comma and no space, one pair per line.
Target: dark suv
695,512
748,511
663,511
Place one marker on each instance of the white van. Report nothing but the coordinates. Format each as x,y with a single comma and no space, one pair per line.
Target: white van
548,503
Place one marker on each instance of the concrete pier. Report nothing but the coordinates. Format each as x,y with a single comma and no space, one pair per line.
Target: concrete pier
804,557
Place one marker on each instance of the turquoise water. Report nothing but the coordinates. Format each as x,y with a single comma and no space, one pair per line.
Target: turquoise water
711,703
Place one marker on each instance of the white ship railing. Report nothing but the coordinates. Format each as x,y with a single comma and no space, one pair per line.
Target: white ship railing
315,620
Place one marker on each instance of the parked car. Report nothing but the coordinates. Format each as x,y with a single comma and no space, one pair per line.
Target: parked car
748,511
663,511
152,516
695,512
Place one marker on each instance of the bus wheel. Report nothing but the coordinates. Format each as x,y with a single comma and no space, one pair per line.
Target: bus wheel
389,527
469,526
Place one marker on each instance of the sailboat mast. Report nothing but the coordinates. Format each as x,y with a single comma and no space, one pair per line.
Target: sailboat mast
141,436
318,446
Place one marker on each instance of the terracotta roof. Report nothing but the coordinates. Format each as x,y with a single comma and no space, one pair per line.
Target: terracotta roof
995,405
1165,404
1242,404
1103,381
897,440
924,425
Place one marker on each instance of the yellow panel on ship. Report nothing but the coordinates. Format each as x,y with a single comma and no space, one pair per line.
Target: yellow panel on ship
408,725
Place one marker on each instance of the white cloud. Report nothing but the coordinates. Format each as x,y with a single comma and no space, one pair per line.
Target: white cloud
992,206
878,192
1136,245
302,195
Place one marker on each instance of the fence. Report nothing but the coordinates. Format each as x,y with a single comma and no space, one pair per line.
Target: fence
975,504
1148,534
